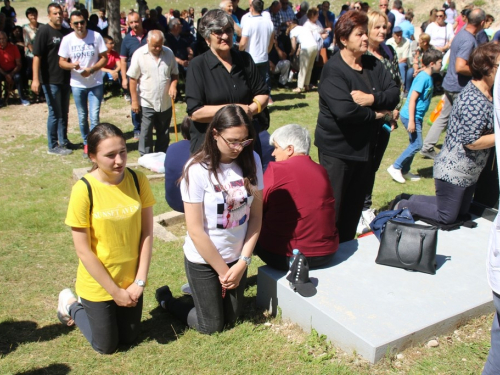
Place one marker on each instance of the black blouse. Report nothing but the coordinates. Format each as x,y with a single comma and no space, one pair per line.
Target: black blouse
209,83
346,130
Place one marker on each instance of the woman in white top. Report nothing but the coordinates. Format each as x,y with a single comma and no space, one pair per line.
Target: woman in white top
222,192
441,33
308,51
314,25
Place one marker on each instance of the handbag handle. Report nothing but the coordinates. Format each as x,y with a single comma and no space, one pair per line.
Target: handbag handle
422,237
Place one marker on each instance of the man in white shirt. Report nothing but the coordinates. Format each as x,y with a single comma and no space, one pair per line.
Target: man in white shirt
399,17
84,53
103,21
402,46
257,38
153,68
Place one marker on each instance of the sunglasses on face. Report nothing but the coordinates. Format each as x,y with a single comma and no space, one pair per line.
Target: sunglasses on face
439,15
76,23
357,8
220,32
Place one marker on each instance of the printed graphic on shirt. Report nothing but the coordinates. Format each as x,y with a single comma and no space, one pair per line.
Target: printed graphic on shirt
428,93
118,213
232,205
82,50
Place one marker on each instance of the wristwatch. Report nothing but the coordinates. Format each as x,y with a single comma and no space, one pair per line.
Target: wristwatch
141,283
248,260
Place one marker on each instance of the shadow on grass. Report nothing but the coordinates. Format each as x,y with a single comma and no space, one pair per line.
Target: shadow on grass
53,369
15,333
426,172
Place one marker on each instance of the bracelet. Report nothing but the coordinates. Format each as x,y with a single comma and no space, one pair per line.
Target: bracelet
259,106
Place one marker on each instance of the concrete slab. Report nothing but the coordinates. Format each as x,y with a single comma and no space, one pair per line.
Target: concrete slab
374,309
163,221
80,172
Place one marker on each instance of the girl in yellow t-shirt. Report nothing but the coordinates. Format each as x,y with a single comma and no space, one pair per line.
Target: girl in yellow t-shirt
111,217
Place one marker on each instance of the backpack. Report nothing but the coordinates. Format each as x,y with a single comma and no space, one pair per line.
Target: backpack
89,188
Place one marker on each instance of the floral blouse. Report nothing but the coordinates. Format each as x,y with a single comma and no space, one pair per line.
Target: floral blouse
392,65
471,118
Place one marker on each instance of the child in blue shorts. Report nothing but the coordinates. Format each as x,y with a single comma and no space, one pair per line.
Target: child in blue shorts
412,115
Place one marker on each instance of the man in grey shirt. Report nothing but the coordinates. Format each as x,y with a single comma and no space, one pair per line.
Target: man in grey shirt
456,78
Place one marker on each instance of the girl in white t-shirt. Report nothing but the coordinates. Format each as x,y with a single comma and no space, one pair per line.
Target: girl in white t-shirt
222,192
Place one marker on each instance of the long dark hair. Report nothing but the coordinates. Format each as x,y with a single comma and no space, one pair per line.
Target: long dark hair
209,155
102,131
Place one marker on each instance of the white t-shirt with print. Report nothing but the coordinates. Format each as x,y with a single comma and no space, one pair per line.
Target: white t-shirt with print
226,208
85,51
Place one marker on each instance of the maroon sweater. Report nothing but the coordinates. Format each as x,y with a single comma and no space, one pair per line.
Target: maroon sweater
299,209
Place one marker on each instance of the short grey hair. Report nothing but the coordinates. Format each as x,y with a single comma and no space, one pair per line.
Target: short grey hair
157,34
173,21
215,19
304,6
292,135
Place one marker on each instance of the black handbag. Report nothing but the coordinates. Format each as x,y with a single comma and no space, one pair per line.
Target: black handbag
408,246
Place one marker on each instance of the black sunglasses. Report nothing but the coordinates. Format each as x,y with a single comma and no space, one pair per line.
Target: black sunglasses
76,23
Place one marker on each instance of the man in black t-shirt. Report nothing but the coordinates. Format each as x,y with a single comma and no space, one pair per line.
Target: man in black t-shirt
53,80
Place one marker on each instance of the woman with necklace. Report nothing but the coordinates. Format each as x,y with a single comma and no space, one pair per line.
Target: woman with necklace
221,76
221,187
467,144
356,97
377,32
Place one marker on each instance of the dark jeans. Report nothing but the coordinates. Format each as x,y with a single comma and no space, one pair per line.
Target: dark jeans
263,69
105,324
378,154
492,365
282,262
57,97
161,122
450,202
211,312
18,81
349,180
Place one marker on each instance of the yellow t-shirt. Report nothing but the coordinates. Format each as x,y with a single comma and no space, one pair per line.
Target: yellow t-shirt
115,229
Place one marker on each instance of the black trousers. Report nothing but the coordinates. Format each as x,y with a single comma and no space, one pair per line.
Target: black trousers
349,180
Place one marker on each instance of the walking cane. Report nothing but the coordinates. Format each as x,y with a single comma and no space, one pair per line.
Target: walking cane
175,120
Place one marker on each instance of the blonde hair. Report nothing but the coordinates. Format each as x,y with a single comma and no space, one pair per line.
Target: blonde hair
373,17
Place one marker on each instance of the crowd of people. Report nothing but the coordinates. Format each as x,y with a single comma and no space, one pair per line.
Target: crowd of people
245,191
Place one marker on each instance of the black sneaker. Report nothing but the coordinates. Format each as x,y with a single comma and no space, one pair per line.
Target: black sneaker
59,151
164,295
70,146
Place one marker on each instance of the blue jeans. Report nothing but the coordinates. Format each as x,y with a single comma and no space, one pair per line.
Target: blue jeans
263,69
105,324
93,97
211,311
406,75
57,97
492,365
406,158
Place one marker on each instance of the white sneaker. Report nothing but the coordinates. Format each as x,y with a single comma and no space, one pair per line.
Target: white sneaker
368,216
411,176
396,174
363,227
63,307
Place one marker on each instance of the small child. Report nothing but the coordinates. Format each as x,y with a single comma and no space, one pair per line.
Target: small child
412,115
112,69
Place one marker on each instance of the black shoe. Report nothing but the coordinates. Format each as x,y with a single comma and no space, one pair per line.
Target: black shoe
164,295
70,146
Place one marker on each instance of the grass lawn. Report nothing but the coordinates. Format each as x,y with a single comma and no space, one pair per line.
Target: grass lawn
37,260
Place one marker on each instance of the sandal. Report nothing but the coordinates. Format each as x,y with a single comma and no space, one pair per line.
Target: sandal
298,90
